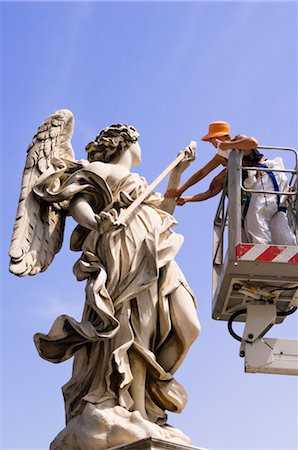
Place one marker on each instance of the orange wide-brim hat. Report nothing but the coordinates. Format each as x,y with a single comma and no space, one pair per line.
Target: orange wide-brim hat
217,129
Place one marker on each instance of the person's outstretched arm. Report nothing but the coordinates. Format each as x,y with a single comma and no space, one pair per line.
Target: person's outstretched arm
196,177
240,142
215,187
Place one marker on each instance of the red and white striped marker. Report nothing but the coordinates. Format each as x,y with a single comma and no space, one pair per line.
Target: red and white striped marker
261,252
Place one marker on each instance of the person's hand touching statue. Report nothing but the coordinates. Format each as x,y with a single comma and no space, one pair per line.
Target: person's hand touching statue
182,200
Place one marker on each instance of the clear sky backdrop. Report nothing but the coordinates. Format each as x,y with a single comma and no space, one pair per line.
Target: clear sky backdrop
169,68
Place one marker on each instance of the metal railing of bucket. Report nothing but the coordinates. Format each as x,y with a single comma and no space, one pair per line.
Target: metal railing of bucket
229,208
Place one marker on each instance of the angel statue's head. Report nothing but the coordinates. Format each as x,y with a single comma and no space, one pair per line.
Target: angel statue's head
111,142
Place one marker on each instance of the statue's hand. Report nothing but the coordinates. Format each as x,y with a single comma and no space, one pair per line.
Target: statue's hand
190,156
106,220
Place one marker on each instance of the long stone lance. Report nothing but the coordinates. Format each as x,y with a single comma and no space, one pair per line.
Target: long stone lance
127,212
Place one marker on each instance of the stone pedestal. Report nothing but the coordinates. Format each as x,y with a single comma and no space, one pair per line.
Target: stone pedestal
154,444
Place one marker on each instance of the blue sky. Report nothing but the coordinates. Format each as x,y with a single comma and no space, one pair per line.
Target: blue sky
169,68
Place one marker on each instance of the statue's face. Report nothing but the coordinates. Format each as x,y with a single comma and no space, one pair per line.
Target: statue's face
135,151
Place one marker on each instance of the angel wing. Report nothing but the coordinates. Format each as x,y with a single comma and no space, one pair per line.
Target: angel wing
39,226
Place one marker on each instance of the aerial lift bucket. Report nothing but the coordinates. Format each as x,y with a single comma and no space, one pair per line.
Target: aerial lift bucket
255,283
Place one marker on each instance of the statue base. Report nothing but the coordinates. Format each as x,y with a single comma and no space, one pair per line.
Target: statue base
154,444
104,426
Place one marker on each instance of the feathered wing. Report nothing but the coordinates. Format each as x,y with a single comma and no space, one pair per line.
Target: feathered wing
39,226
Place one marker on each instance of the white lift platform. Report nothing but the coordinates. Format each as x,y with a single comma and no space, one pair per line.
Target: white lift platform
255,283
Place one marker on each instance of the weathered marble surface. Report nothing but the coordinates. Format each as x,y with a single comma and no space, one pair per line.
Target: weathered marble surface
155,444
103,427
139,318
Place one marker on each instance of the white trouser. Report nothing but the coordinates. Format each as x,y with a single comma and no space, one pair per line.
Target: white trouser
281,233
265,225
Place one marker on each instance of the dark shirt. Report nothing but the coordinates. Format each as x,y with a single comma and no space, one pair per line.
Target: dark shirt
253,158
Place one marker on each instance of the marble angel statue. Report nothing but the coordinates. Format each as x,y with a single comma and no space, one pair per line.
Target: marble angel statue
139,318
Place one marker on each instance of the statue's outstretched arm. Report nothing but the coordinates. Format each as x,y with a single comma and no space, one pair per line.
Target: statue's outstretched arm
168,204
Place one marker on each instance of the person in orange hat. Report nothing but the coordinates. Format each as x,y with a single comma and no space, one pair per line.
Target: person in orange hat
219,136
